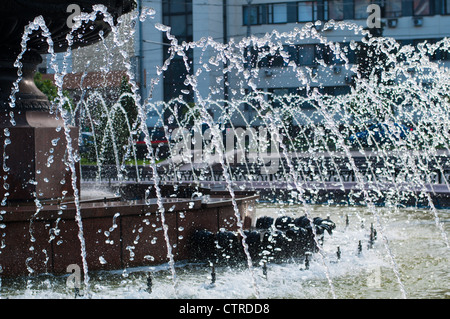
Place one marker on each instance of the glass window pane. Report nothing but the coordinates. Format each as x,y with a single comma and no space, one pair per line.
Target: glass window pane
315,11
325,53
279,13
306,55
335,59
178,24
341,90
292,52
188,6
166,20
275,61
349,53
245,16
447,7
361,9
393,8
305,11
269,60
165,7
276,92
177,6
421,7
336,9
253,15
280,92
324,7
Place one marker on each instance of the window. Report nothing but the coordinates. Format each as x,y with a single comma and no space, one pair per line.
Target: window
393,8
307,54
269,60
335,90
307,11
324,52
278,59
421,7
277,94
292,51
440,53
336,9
322,7
361,9
277,13
446,7
302,92
255,15
335,59
349,52
178,25
251,57
292,11
178,15
177,6
443,54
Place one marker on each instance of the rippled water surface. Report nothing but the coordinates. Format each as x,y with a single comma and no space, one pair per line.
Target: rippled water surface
411,238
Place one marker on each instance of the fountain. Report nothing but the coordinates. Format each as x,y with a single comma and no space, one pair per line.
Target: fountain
370,154
46,225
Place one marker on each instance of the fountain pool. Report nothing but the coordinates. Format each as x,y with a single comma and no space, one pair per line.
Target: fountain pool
420,254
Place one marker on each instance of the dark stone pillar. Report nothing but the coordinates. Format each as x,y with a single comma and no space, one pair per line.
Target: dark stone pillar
33,152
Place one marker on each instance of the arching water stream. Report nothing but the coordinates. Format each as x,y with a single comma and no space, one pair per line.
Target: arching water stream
290,154
417,247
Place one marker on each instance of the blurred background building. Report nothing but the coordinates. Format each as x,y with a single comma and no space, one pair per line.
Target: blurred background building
408,21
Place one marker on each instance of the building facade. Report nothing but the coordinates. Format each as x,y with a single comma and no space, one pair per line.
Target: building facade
225,21
230,22
100,66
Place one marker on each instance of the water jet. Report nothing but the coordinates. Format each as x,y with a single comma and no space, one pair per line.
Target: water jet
297,154
47,224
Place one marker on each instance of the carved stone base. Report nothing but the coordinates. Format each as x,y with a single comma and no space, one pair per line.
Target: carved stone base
28,96
33,150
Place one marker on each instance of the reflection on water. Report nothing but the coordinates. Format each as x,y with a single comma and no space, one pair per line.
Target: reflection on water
419,251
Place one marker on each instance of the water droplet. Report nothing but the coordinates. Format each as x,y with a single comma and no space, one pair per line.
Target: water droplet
55,141
102,260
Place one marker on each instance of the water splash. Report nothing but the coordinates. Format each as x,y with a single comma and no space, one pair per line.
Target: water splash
323,129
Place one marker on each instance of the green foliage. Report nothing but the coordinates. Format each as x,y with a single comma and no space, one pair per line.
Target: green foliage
113,127
51,91
123,123
127,102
